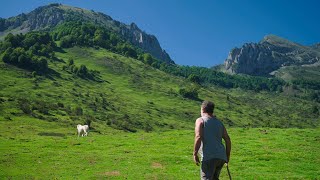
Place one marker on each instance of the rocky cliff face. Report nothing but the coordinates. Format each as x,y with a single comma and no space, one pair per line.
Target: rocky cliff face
146,42
269,55
47,17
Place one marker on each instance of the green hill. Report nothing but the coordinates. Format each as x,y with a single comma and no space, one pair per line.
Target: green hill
130,95
80,72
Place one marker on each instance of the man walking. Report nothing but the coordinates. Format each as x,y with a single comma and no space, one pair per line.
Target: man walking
209,132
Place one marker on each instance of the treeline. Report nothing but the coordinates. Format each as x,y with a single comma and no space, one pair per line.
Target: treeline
312,87
30,51
77,33
307,84
202,75
207,76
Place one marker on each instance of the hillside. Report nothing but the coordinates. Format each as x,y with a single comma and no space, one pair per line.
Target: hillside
83,72
131,95
46,18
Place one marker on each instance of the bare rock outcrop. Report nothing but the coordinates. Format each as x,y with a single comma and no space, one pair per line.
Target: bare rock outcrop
269,55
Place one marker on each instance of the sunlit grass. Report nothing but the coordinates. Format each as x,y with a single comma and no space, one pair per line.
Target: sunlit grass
33,148
45,146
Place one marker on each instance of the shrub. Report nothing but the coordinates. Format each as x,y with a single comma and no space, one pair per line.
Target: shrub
194,78
315,110
25,106
147,127
78,111
41,106
89,120
34,74
60,105
191,93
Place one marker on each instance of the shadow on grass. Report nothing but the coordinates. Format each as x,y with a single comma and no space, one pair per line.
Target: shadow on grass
51,134
51,74
59,49
195,99
58,60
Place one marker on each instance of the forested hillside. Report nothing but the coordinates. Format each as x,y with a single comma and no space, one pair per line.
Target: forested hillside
103,84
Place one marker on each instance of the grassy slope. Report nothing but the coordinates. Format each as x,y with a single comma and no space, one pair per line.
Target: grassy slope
299,72
32,149
235,107
127,93
140,94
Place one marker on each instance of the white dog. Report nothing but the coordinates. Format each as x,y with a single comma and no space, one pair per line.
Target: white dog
82,130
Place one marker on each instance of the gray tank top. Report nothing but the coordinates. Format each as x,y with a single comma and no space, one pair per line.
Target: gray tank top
211,146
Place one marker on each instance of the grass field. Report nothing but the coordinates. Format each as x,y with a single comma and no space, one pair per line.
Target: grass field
37,149
39,114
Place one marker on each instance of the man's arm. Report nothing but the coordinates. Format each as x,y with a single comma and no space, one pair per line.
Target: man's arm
197,139
227,139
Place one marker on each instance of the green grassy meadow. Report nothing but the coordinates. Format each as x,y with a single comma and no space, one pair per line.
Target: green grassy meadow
37,149
141,128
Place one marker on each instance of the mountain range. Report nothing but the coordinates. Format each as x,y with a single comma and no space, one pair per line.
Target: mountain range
260,59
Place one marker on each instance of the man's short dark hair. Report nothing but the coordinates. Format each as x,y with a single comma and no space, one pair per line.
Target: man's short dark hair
207,106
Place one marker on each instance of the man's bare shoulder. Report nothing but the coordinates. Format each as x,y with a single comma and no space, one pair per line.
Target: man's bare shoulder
199,120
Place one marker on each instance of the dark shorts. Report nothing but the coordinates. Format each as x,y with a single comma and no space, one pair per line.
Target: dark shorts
211,169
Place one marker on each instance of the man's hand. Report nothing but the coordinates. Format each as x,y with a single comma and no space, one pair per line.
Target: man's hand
196,159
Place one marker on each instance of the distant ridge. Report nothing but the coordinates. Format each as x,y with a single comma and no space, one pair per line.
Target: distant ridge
270,54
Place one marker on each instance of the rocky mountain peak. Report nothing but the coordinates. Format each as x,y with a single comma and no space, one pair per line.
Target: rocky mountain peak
271,53
133,26
279,41
273,39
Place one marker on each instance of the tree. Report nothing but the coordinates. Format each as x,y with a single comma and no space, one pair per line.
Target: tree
13,40
83,71
23,60
194,78
6,56
147,58
66,41
40,65
29,51
130,52
315,110
70,62
78,111
191,93
100,37
315,96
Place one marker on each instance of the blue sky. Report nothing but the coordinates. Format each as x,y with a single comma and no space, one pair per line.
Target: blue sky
202,32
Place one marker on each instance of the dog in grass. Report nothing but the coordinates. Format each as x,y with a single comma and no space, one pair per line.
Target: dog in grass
82,130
